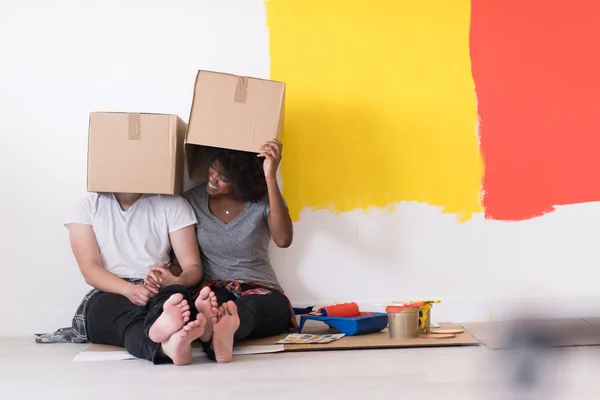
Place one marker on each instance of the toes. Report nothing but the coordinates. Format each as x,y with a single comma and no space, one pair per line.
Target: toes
190,325
185,307
176,298
205,293
232,308
185,314
185,331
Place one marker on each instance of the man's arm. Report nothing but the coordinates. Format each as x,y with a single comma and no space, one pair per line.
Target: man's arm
185,247
87,255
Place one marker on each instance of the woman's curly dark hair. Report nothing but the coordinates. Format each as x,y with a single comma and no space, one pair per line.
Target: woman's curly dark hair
245,171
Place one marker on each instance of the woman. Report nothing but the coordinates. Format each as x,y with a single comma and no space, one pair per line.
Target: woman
239,210
121,243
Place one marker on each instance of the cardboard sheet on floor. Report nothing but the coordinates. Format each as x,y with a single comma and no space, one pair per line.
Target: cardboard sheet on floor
379,340
562,332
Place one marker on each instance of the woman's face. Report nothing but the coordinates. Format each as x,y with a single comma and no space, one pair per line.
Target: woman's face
218,183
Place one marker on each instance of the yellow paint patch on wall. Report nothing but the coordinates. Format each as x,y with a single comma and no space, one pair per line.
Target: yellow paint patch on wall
380,103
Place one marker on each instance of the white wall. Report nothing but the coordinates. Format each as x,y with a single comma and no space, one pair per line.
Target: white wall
61,59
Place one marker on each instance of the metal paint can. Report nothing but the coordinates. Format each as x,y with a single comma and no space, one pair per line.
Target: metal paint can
403,322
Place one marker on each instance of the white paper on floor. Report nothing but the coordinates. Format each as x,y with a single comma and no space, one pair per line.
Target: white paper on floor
196,352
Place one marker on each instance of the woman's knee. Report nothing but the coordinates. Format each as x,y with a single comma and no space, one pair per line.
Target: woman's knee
267,314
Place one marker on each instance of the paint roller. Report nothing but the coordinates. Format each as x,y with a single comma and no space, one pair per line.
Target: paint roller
347,310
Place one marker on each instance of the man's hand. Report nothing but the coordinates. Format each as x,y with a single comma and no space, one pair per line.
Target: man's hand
140,294
153,280
162,276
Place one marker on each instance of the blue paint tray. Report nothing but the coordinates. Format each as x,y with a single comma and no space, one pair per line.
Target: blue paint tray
305,310
366,322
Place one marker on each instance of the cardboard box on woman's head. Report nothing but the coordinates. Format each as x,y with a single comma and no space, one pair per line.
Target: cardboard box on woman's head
231,112
135,153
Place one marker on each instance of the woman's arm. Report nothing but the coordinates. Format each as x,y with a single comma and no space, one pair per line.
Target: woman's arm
185,247
87,255
279,219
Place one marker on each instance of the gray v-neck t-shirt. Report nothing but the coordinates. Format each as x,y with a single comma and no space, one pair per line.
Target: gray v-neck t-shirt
238,250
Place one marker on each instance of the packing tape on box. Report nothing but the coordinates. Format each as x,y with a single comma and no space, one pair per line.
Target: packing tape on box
241,90
135,126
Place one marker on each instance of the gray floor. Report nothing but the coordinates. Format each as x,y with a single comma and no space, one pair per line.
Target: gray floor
30,371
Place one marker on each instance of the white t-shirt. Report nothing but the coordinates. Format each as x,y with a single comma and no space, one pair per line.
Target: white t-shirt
132,241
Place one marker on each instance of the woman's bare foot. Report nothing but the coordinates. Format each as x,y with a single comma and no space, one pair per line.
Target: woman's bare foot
206,304
179,346
176,312
223,331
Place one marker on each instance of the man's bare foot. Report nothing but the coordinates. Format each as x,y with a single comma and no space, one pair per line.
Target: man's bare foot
179,346
206,303
176,312
223,331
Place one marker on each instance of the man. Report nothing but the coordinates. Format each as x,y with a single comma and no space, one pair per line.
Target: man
122,244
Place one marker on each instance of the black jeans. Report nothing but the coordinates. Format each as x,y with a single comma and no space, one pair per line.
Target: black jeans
261,315
114,320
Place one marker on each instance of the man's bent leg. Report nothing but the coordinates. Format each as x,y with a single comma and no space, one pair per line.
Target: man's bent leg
114,320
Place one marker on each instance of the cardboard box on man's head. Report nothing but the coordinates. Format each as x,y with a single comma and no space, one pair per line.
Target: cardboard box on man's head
231,112
136,153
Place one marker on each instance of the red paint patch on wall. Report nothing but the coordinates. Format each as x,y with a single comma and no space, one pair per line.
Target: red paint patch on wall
536,66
